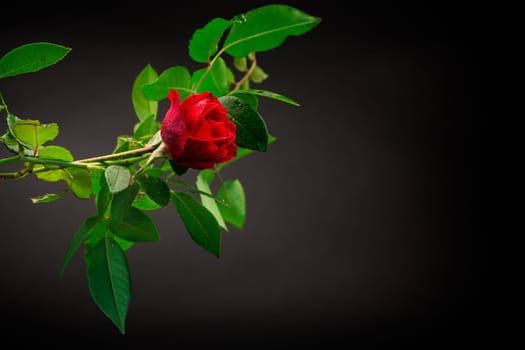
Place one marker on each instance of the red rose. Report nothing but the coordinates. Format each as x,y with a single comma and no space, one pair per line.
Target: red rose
198,133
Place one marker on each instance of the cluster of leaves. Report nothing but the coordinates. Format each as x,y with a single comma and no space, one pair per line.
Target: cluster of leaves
134,179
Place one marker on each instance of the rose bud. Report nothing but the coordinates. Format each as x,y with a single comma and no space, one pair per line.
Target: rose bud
197,133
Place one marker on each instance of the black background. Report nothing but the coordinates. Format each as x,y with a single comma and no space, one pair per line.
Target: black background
362,217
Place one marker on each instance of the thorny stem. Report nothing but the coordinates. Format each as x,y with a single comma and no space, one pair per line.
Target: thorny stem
25,159
104,158
122,158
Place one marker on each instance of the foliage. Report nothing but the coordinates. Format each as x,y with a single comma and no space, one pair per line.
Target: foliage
139,176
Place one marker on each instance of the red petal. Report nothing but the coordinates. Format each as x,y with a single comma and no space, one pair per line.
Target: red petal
173,130
192,109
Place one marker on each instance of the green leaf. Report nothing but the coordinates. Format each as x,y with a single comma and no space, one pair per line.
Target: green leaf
122,201
13,145
145,203
11,121
252,132
215,81
125,245
240,63
232,193
155,188
33,133
258,75
109,280
179,170
56,153
103,198
77,240
53,175
79,182
266,93
47,198
134,225
117,177
266,28
204,180
96,178
156,172
98,232
204,42
123,143
144,108
31,57
177,77
250,99
94,235
230,77
147,128
199,222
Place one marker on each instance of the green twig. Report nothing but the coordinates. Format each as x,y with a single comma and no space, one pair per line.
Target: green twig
247,75
36,160
105,158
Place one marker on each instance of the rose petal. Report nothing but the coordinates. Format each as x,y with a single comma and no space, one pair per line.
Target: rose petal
173,130
192,109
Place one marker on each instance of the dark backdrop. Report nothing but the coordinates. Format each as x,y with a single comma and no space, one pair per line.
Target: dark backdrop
362,217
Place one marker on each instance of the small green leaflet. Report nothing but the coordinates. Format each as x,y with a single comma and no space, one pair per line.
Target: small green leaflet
117,178
240,63
31,57
177,77
78,180
13,145
214,81
146,128
128,222
232,194
203,182
56,153
96,178
125,245
204,42
199,222
33,134
103,198
258,75
122,200
134,225
177,169
144,108
143,202
47,198
156,189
